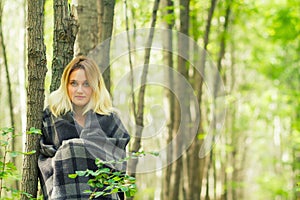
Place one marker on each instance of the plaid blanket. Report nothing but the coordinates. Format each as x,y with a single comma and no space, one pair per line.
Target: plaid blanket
66,147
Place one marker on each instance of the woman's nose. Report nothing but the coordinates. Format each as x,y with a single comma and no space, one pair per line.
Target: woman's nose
79,88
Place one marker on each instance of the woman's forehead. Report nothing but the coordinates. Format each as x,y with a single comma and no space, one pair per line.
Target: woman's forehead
78,74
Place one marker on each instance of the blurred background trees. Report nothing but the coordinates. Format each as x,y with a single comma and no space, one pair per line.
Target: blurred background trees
254,44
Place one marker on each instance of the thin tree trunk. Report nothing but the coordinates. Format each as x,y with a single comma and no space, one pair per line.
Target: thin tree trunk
130,61
139,120
215,176
218,78
35,93
222,45
197,164
65,30
207,175
167,184
22,76
9,90
181,126
9,87
199,88
229,139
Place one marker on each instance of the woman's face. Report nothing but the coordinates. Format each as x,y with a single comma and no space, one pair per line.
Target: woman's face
79,90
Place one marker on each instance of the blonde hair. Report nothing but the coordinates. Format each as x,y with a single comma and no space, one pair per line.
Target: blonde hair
100,102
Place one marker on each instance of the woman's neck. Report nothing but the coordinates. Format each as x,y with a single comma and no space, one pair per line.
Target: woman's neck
79,117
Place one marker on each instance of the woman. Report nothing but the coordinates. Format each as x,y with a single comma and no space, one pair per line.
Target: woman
79,125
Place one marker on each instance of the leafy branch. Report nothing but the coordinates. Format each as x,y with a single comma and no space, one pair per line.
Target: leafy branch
107,181
8,170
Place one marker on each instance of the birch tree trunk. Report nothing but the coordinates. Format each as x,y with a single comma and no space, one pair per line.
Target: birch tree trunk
65,30
35,93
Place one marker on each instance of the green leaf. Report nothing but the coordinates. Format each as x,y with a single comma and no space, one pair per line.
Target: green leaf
117,178
130,178
154,153
5,131
29,153
10,166
124,189
87,191
115,190
72,175
14,154
98,161
4,143
201,136
81,173
98,194
34,131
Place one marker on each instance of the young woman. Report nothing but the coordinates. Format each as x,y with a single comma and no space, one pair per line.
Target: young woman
79,125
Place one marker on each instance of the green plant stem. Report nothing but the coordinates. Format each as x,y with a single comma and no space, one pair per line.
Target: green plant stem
3,168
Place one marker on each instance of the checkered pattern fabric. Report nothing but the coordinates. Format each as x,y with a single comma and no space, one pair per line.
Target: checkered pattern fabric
65,148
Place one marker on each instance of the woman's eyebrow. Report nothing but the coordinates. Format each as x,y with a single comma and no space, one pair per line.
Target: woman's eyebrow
78,80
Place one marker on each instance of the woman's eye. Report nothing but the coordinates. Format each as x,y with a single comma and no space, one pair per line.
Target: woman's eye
86,84
74,84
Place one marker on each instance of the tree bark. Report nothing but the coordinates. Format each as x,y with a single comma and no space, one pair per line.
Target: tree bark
197,164
65,30
168,57
181,127
35,93
106,16
87,18
95,19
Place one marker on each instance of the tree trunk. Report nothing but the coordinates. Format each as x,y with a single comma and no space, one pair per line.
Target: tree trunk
9,87
195,163
139,120
106,15
129,43
4,54
65,30
35,93
217,79
95,20
199,87
168,57
87,18
181,126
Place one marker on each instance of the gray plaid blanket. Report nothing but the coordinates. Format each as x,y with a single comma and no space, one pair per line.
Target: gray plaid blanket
66,148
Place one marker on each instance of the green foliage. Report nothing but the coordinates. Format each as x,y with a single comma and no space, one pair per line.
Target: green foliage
8,170
106,181
34,131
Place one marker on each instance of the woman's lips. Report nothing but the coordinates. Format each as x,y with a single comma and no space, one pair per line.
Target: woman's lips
79,97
